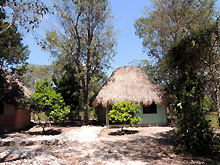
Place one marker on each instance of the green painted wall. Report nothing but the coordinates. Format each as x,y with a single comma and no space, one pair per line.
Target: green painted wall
157,118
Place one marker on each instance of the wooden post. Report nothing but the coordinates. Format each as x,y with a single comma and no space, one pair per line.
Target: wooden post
107,116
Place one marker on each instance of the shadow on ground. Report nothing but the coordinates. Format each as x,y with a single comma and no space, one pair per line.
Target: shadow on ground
47,132
158,149
141,149
123,132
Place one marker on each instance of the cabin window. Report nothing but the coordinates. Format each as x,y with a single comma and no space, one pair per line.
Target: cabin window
150,109
1,109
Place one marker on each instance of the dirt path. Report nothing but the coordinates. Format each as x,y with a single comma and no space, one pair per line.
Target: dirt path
90,145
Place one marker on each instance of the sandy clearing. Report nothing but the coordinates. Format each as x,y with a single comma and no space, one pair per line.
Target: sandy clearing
94,145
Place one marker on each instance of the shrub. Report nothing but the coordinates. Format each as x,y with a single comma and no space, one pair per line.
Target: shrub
125,111
45,100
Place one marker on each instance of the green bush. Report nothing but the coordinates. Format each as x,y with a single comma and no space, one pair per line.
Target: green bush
125,111
45,100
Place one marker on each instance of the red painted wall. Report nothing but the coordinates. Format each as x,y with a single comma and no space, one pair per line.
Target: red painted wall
22,118
7,121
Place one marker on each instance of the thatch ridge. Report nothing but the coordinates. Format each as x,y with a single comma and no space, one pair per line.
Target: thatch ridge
128,83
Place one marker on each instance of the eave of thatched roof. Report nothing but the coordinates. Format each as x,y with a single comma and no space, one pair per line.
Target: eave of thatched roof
15,89
128,83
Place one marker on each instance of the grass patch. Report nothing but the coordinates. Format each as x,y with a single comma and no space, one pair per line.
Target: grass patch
213,118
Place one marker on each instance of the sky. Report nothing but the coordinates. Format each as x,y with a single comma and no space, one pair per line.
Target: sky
129,46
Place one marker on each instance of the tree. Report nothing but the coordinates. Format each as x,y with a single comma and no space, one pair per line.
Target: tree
26,13
87,40
69,88
170,21
188,63
202,55
150,68
124,112
45,100
12,54
34,72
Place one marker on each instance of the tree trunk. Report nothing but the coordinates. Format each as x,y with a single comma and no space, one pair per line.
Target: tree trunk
85,105
86,118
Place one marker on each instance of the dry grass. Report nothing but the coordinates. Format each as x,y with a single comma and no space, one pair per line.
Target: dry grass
128,83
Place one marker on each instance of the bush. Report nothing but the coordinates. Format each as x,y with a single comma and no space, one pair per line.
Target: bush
45,100
125,111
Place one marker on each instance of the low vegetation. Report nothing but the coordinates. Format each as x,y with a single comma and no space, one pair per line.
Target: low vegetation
124,112
45,100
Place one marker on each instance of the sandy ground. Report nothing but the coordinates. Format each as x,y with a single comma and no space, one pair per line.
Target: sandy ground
91,145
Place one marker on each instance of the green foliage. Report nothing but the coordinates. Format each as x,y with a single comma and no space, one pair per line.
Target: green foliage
85,38
212,117
27,13
69,88
45,99
150,68
125,112
34,73
193,133
187,85
208,104
169,21
13,53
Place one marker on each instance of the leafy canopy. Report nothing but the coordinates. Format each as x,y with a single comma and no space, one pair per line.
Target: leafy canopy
27,13
170,20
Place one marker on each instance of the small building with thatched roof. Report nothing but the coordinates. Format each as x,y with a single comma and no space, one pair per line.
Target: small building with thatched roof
12,91
129,83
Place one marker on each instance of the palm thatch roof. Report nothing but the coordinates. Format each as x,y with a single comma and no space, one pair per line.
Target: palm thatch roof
128,83
11,90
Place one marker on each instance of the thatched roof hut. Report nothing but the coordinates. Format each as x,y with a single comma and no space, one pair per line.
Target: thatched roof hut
12,89
128,83
12,92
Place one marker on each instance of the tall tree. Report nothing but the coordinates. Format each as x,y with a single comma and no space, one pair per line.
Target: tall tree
170,20
86,39
167,23
200,52
12,54
191,63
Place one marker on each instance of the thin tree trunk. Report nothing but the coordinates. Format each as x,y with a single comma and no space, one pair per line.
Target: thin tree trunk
85,100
